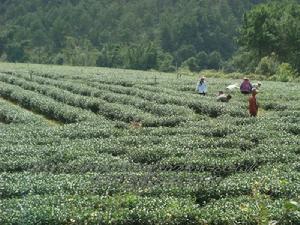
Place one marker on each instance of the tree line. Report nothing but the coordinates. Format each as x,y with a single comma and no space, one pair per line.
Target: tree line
156,34
269,39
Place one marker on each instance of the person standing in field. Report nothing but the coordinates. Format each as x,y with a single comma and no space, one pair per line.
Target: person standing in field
202,86
253,106
246,86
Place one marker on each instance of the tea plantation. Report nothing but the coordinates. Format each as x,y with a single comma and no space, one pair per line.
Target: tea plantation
108,146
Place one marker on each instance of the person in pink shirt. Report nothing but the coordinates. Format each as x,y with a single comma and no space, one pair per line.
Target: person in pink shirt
246,86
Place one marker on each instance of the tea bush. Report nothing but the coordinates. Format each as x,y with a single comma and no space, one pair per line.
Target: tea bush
107,146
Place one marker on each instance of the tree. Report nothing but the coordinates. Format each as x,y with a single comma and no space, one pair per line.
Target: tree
202,60
57,33
184,52
165,62
15,52
179,28
259,30
267,65
285,72
110,56
273,27
3,41
80,52
166,39
191,63
214,60
39,55
242,61
142,56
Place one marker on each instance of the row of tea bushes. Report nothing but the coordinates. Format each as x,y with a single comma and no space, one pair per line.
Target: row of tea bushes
133,209
10,113
156,94
218,166
144,182
207,106
44,105
85,90
274,180
111,111
66,160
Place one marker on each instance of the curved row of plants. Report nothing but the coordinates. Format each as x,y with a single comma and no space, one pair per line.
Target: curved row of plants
44,105
112,111
134,209
159,95
10,113
229,169
113,97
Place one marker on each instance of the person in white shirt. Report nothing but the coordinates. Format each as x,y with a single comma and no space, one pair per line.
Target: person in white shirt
202,86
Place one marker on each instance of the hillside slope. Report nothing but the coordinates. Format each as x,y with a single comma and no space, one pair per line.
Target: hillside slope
43,31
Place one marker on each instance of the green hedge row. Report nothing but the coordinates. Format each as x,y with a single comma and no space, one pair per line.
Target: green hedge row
131,209
44,105
9,113
155,94
111,111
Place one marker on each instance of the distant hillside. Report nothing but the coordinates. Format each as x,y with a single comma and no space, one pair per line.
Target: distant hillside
138,34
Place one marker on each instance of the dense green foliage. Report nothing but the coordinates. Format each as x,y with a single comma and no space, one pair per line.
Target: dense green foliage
270,36
111,146
136,34
161,35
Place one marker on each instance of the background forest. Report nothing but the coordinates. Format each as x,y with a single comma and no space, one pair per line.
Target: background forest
233,35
